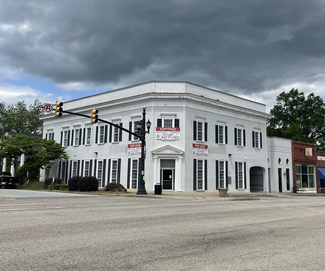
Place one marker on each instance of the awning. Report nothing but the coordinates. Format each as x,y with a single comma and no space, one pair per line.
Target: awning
321,173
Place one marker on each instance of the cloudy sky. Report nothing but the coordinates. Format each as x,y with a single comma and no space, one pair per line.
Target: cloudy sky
66,49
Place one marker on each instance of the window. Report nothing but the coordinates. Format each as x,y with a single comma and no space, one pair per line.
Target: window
76,137
168,120
88,135
221,134
240,175
87,168
63,170
114,171
200,130
100,173
101,135
240,137
65,138
305,176
200,182
222,179
116,134
134,174
74,168
168,123
240,172
133,127
50,136
257,139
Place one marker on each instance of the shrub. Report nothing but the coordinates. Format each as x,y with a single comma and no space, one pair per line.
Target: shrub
88,183
115,187
48,181
73,183
61,187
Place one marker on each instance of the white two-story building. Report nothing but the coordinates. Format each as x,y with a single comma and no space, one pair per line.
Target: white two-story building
200,139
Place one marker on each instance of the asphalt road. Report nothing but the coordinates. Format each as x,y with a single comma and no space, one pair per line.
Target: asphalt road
126,233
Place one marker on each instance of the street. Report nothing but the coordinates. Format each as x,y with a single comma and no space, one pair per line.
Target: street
127,233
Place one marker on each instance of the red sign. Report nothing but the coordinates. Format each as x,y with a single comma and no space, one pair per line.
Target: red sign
48,108
200,150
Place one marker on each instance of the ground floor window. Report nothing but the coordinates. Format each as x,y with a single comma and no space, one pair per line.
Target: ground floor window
100,173
322,183
200,182
134,174
114,171
305,176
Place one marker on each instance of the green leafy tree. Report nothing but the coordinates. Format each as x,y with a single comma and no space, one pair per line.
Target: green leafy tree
39,153
21,120
299,118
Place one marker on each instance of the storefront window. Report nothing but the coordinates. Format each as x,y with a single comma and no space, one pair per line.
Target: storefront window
305,176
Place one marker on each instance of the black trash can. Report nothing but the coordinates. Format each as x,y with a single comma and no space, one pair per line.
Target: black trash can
158,189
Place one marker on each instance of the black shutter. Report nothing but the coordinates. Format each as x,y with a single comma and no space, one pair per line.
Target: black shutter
110,133
80,136
236,174
109,171
159,122
120,133
245,175
194,130
104,173
226,134
66,171
61,138
261,140
253,142
235,136
78,168
91,168
84,136
205,174
177,123
46,136
226,174
110,130
205,131
129,174
194,174
59,173
70,169
68,137
217,133
244,135
217,174
130,129
118,170
96,136
72,137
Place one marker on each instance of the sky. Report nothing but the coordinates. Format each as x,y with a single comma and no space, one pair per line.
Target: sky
67,49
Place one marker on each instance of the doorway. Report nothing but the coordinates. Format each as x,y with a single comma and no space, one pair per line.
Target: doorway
167,173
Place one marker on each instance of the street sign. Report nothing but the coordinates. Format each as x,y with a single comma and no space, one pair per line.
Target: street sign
48,108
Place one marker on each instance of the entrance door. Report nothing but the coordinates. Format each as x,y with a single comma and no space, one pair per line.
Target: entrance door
167,179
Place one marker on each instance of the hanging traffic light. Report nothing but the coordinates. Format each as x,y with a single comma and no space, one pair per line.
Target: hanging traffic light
94,116
58,109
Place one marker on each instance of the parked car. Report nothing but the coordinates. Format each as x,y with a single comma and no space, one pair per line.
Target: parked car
8,181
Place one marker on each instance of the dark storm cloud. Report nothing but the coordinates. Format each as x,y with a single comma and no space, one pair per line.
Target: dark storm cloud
248,45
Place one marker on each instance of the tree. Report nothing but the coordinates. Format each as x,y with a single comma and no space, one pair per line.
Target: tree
298,118
21,120
39,153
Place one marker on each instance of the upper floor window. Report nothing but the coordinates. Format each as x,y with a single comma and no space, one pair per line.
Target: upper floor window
200,130
240,137
221,134
115,133
256,139
65,138
88,135
101,135
50,135
77,137
168,122
134,127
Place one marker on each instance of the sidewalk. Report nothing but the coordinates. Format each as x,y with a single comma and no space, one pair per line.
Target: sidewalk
212,196
207,196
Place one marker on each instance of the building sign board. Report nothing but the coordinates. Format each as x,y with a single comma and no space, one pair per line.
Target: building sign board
168,133
134,149
200,150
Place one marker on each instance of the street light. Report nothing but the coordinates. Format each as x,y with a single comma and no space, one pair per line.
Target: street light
143,132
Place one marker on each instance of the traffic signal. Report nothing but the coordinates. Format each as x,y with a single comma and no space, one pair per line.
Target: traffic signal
58,109
94,116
